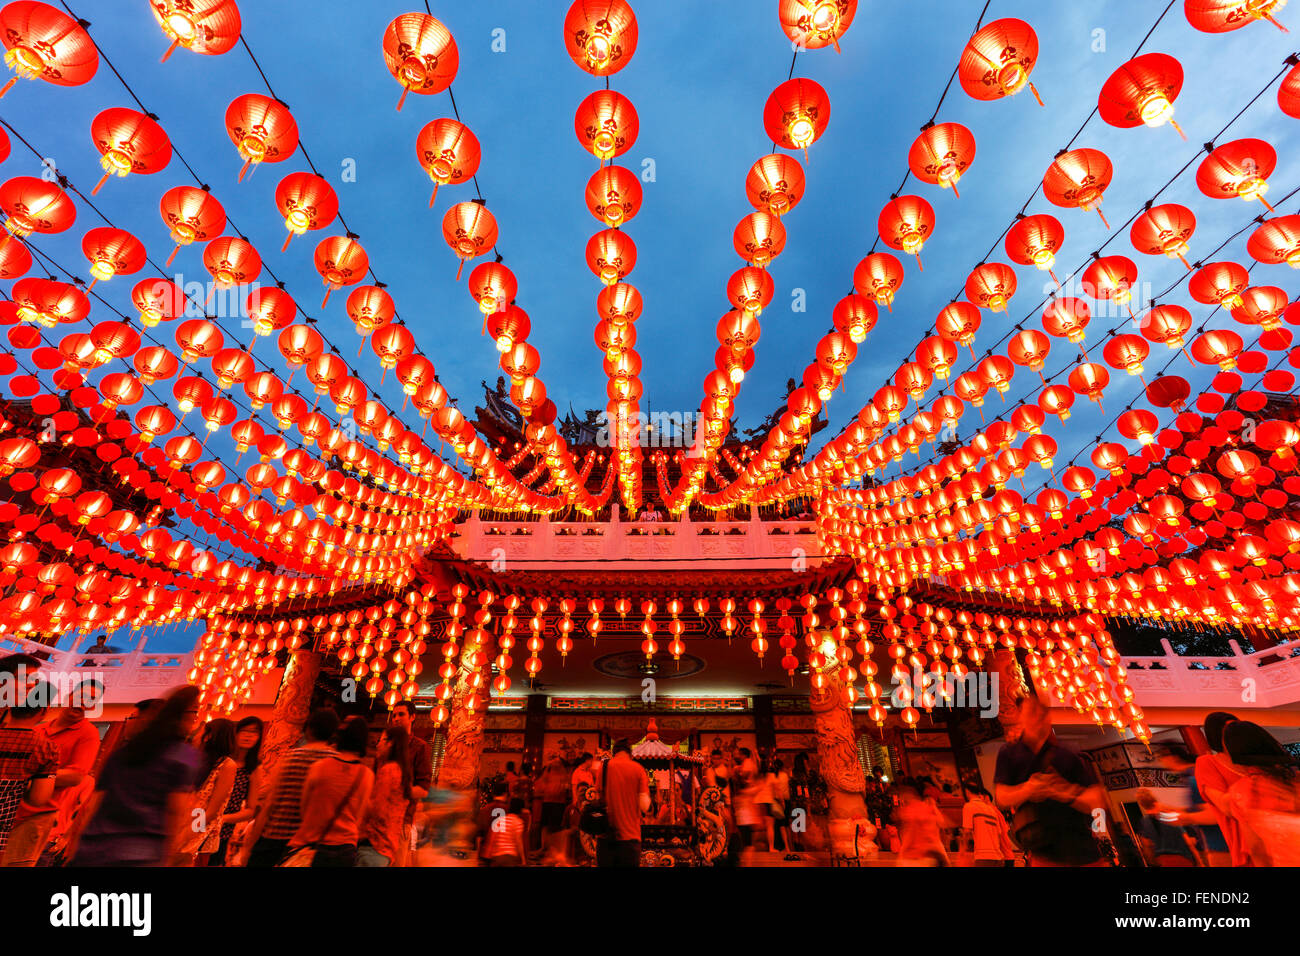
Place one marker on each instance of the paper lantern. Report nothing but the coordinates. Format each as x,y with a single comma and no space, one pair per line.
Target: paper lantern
854,315
1111,278
232,262
941,155
190,215
611,255
775,184
306,201
421,54
341,261
1164,230
470,230
606,124
112,252
1288,93
158,300
1035,240
796,113
600,35
31,204
269,309
1078,179
493,287
958,322
759,238
879,276
1277,241
905,223
991,286
1219,283
1221,16
998,59
813,24
1238,169
43,42
262,129
1142,93
128,142
613,195
1166,324
208,27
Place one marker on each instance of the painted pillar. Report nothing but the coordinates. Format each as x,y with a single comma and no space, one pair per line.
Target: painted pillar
464,747
850,830
292,705
1011,688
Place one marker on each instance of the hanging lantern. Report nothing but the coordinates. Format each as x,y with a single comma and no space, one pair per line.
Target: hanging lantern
905,223
1166,324
813,24
613,195
158,300
1142,93
1067,318
269,309
1078,178
112,252
1035,240
1277,241
15,260
493,286
991,286
128,142
340,261
1089,380
854,315
998,59
48,303
1111,278
306,201
421,54
879,276
471,231
775,184
191,215
1164,230
796,114
449,152
30,204
606,124
759,238
611,255
1126,353
232,262
1238,169
1219,283
1221,16
751,289
600,35
1029,348
941,155
1219,347
958,322
1288,93
1262,306
262,129
209,27
42,42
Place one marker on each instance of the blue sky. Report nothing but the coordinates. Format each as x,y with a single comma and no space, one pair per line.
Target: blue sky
699,80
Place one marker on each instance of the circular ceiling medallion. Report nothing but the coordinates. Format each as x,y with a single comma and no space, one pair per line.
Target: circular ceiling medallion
632,665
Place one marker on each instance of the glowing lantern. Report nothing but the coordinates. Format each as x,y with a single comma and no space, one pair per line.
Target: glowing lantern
1089,380
1166,324
1262,306
611,255
1067,318
854,315
1126,353
938,355
1221,16
158,300
958,322
998,59
1078,178
1164,230
600,35
905,223
421,54
1142,93
128,142
391,344
759,238
191,215
1029,348
614,195
262,129
751,289
341,261
15,260
449,152
1240,168
941,155
32,205
775,184
796,113
306,201
112,252
1035,240
1288,93
1219,283
48,303
493,287
991,286
470,230
45,43
269,309
1277,241
813,24
231,262
208,27
606,124
1056,400
1217,347
879,276
1111,278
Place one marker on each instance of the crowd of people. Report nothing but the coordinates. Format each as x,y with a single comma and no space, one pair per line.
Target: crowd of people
176,790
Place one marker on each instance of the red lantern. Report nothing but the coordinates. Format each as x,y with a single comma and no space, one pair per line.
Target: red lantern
32,205
306,201
421,54
1164,230
471,231
600,35
1221,16
45,43
449,152
128,142
759,238
1277,241
813,24
493,286
1090,380
775,184
269,309
1288,93
49,303
191,215
1262,306
796,113
112,252
1078,178
262,129
958,322
905,223
1126,353
879,277
1217,347
613,195
941,155
1067,318
1111,278
1029,348
998,59
158,300
1035,240
1142,92
1219,283
1166,324
854,315
1238,169
611,255
751,290
340,261
606,124
991,286
15,260
209,27
232,262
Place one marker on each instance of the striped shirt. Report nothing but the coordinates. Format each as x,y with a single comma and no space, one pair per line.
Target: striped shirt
285,815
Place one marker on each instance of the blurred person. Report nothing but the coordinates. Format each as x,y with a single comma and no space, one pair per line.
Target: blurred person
421,760
990,836
218,775
505,842
627,797
780,783
140,713
280,815
1265,800
553,787
490,812
333,798
248,787
745,793
584,777
1196,814
140,810
920,828
383,827
1164,843
1215,775
29,762
78,742
1052,791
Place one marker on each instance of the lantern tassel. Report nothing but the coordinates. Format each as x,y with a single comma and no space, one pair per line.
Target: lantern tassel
170,50
92,283
919,267
402,98
1033,89
1183,260
1103,217
8,86
1266,205
243,169
434,196
460,269
1174,124
1269,18
287,240
173,255
328,290
102,179
953,186
1054,279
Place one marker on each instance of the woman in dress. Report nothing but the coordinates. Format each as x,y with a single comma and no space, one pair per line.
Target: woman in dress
218,776
247,789
382,827
1215,775
1265,800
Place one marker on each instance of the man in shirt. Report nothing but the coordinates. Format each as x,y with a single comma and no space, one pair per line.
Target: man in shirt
421,757
279,817
19,673
1052,790
28,762
627,796
988,829
78,742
